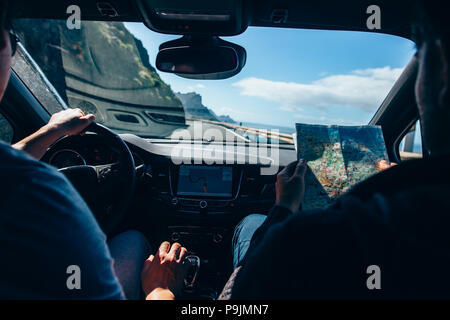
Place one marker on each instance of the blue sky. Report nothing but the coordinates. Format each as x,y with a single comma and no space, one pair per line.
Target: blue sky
311,76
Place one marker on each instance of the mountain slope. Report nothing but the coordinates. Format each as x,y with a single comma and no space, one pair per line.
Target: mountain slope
100,55
195,109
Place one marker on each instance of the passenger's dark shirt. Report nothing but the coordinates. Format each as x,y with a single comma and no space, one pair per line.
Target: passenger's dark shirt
323,254
45,227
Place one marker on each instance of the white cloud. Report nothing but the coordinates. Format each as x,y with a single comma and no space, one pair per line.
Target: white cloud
362,89
194,87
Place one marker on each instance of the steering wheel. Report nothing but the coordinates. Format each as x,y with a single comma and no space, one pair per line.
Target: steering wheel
107,189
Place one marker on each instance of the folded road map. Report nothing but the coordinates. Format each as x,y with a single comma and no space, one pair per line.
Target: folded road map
338,158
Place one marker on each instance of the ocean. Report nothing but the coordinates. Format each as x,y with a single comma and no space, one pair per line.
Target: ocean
285,130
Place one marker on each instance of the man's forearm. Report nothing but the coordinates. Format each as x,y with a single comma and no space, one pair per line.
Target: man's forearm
66,122
37,143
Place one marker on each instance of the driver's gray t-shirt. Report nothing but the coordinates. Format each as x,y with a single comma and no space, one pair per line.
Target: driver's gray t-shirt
46,227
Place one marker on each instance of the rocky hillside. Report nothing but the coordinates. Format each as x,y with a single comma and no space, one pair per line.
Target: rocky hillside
226,118
103,54
103,69
194,108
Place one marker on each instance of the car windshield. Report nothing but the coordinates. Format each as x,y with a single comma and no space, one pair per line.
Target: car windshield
307,76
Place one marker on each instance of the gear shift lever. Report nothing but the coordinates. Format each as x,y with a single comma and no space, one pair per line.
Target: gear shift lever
193,266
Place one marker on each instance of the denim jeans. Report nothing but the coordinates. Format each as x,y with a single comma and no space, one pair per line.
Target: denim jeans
243,234
129,251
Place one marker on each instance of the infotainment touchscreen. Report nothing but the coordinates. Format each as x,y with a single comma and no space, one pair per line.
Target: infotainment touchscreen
205,181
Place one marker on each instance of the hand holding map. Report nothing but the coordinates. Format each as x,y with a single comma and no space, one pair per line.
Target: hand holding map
338,158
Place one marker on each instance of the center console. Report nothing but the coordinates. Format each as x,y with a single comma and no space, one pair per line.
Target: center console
204,189
204,203
214,190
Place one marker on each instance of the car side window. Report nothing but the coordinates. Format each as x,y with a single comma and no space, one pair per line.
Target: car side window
6,130
411,145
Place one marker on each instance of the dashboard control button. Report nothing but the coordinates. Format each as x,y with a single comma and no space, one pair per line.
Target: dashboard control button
217,238
203,204
175,236
188,212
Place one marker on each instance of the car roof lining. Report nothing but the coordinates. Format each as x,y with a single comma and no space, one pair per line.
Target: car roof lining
317,14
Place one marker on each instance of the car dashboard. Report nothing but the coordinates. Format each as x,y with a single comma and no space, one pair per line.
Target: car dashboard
191,202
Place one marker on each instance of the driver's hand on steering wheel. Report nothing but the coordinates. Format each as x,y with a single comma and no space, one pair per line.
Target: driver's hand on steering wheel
70,121
290,186
163,274
67,122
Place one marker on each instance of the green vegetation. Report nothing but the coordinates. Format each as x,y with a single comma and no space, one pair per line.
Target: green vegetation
101,54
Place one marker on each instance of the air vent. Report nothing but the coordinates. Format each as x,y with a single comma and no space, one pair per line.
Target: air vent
127,118
279,16
107,9
166,117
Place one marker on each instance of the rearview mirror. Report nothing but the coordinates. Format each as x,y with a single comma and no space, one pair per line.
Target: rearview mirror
205,58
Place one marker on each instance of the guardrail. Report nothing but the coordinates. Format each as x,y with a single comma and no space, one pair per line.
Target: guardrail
287,138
